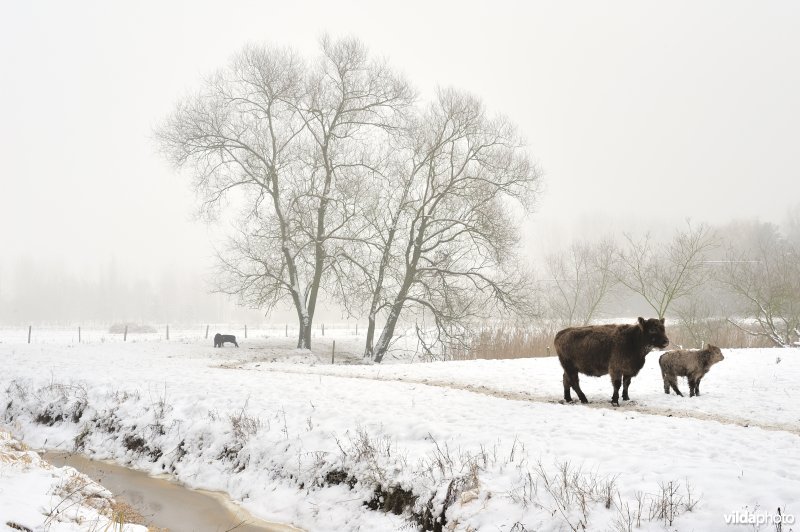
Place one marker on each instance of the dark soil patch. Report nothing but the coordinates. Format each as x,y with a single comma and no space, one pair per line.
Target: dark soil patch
138,445
134,443
339,476
107,422
48,418
395,500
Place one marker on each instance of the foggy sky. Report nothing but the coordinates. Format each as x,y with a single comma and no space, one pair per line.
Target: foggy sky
637,112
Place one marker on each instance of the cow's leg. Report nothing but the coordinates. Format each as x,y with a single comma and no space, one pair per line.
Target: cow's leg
697,386
571,380
626,381
673,381
692,383
616,381
666,382
235,343
576,385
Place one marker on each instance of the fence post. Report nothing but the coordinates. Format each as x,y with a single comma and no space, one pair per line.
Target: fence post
29,333
323,329
79,334
207,332
333,351
287,330
167,332
125,335
245,330
356,328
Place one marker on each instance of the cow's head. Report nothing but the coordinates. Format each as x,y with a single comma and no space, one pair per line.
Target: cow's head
653,332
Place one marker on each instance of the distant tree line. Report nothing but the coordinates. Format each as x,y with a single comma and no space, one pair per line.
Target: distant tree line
745,273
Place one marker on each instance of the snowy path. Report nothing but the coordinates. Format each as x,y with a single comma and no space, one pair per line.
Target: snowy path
751,388
526,396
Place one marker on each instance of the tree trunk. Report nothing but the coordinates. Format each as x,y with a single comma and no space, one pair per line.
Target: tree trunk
303,321
388,330
320,253
370,336
414,249
304,334
394,314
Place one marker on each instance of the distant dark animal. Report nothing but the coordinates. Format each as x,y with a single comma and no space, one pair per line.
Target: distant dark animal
692,364
220,339
617,350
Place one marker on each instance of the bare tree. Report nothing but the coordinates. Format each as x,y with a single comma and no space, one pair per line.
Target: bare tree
285,140
580,281
767,281
448,232
664,276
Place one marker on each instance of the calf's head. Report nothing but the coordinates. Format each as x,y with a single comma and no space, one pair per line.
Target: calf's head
715,354
653,332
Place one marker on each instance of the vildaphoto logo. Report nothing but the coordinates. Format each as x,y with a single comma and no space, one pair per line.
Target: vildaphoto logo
759,517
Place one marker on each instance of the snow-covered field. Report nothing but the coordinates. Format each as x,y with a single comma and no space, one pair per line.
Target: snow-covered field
300,441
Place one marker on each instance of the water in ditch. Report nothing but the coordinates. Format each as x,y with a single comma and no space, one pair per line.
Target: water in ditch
166,504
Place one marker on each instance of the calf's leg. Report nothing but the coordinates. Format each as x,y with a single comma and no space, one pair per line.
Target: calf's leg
692,384
673,381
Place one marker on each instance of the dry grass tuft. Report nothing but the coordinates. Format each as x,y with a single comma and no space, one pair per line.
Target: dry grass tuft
15,452
504,342
121,513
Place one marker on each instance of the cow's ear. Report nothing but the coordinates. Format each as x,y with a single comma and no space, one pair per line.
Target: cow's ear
662,321
641,321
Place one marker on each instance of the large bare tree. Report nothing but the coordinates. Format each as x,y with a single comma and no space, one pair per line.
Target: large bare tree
448,235
286,140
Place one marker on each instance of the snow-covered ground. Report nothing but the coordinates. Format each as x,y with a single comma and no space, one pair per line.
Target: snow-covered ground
300,441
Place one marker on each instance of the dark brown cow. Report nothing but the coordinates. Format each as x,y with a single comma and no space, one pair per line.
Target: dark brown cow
617,350
221,339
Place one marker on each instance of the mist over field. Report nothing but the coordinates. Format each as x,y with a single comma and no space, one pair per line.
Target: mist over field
636,123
